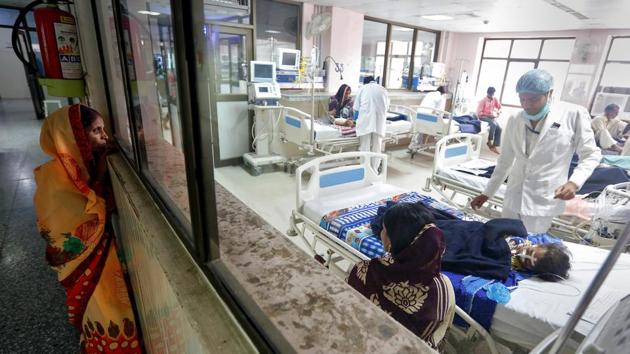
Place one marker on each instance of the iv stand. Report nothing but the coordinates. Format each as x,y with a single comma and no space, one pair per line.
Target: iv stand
599,279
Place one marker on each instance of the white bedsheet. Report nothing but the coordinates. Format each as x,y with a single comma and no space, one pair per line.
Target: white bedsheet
314,210
398,127
476,182
537,308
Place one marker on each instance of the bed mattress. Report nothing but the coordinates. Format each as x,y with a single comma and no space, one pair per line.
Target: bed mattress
537,308
472,180
398,127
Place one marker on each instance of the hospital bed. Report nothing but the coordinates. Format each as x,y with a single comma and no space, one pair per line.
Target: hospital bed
295,128
461,152
433,123
333,182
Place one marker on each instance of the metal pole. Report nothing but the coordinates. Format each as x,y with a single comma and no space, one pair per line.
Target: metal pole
603,272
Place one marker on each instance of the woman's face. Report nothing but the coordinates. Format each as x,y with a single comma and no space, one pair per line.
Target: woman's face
347,93
96,133
385,239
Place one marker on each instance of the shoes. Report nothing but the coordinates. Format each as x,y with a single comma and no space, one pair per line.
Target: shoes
493,149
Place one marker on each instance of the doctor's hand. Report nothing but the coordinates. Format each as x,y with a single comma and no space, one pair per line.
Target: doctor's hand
566,191
478,201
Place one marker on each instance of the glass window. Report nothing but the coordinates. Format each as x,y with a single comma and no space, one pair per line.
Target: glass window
553,56
232,65
515,70
8,16
276,27
557,69
111,55
557,49
373,50
149,53
616,75
491,74
620,49
425,51
400,47
497,48
528,48
235,11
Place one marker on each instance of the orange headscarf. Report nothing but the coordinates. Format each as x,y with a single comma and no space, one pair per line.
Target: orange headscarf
73,220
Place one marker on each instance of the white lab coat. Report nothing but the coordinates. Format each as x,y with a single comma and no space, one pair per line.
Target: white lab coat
435,100
372,103
533,179
606,131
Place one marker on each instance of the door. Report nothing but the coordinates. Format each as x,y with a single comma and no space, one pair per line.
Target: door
232,50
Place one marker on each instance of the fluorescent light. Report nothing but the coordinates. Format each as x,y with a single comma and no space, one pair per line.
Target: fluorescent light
437,17
150,13
403,29
272,32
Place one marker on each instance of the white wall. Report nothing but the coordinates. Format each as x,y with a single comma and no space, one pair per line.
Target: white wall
12,74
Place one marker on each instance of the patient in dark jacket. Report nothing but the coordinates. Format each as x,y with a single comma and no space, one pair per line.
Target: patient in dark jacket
492,249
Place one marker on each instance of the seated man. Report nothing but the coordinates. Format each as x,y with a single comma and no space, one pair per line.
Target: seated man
610,133
406,283
340,107
488,111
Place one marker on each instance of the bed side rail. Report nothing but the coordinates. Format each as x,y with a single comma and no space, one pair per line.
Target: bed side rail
407,111
337,173
455,149
432,121
295,126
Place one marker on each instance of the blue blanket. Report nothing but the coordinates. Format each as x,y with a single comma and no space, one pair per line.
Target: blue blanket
468,124
353,225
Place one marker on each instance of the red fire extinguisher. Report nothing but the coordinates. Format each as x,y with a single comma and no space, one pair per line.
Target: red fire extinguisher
58,40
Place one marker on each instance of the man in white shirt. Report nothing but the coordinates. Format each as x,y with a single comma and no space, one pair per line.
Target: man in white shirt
538,147
435,99
371,104
609,131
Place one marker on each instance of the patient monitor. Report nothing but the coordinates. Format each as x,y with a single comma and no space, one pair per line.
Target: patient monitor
263,98
263,89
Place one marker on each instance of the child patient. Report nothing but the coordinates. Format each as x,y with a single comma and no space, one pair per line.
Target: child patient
548,261
406,282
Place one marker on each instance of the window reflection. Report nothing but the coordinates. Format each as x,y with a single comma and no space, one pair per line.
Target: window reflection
149,56
373,50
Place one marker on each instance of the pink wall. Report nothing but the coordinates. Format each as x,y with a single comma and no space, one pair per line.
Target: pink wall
345,47
589,53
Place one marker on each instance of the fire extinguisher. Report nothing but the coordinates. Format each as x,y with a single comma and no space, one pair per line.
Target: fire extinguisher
58,40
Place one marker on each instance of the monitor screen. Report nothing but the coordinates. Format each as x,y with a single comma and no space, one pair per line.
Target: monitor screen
289,58
263,71
263,89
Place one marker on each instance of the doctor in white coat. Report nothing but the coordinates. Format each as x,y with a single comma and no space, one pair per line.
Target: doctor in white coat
539,143
371,104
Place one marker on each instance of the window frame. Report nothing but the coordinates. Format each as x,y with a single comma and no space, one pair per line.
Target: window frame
509,59
607,61
388,39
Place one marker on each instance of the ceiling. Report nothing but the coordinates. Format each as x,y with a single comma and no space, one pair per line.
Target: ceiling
501,15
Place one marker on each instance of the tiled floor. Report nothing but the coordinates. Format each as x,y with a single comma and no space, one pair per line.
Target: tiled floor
33,318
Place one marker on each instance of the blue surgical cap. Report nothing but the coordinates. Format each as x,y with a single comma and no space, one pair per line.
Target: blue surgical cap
535,81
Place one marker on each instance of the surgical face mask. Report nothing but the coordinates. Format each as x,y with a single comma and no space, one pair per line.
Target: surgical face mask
538,116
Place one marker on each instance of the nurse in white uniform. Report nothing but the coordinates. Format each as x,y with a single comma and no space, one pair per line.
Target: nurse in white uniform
539,142
371,103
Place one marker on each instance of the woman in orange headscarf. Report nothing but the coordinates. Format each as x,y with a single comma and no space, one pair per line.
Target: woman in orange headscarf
73,202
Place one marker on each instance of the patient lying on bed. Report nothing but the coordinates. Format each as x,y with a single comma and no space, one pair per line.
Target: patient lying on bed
406,283
549,261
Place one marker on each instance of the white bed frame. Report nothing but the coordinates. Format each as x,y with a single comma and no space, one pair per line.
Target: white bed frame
295,129
332,174
458,148
431,123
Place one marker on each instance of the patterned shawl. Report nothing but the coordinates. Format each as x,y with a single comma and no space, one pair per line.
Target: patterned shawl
72,218
409,286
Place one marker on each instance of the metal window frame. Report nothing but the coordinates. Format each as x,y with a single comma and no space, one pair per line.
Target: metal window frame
603,68
412,63
509,59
